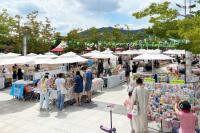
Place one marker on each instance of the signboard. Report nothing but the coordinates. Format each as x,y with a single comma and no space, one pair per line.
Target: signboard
149,80
17,90
177,82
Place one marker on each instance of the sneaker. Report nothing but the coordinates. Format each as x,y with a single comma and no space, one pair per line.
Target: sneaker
90,100
87,101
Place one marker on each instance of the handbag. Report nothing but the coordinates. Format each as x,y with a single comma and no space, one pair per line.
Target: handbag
135,110
64,91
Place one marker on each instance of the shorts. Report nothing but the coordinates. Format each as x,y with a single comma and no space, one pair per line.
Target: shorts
88,87
127,74
130,116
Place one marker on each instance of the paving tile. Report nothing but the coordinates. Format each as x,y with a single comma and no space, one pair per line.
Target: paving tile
24,117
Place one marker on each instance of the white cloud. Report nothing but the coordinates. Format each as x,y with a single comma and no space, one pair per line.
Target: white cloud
62,13
69,14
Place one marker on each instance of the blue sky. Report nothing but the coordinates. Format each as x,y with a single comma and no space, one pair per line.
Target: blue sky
66,15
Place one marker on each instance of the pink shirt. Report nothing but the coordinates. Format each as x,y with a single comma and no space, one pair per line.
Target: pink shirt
187,122
127,104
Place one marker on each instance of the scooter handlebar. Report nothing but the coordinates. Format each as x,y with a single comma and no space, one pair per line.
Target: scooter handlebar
111,105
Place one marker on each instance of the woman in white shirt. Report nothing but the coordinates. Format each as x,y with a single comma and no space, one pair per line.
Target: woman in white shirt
61,91
141,97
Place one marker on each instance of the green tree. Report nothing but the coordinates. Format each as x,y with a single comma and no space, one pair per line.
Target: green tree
189,29
39,33
7,27
163,18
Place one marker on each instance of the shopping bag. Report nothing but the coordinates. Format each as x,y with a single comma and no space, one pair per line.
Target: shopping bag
135,108
166,125
64,91
175,123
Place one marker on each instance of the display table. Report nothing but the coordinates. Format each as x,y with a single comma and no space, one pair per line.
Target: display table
114,80
38,75
68,96
2,82
163,98
17,88
97,84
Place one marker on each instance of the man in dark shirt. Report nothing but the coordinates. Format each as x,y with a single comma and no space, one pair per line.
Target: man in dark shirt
134,67
100,68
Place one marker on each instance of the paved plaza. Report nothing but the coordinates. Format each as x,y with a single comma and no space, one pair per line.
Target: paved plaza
24,116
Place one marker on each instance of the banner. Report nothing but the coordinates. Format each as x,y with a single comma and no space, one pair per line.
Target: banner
177,82
17,90
149,80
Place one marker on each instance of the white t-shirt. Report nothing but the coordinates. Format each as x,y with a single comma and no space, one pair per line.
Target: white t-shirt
60,82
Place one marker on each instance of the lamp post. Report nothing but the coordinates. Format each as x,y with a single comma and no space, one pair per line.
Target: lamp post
187,54
25,38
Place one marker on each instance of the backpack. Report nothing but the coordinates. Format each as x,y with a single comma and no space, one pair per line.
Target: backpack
44,85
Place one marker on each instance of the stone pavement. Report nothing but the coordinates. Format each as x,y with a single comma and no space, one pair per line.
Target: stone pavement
24,116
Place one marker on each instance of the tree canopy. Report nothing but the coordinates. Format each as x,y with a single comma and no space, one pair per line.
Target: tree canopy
167,24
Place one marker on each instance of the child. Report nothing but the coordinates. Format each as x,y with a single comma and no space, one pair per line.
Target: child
127,104
188,120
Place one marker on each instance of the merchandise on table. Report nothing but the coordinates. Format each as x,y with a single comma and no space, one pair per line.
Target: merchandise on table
163,99
114,80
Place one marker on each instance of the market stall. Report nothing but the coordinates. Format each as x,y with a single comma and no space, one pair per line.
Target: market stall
153,57
117,76
114,80
97,85
163,98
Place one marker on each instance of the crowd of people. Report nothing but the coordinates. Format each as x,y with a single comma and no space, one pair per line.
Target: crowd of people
80,82
79,79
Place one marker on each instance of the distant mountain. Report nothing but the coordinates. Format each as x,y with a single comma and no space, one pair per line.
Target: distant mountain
103,29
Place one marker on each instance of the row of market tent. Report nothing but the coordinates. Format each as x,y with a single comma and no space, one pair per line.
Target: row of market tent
70,57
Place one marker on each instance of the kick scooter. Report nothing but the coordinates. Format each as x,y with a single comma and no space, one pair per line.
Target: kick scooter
111,129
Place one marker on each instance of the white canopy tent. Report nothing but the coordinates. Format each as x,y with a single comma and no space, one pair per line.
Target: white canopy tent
50,55
45,56
127,52
108,51
40,56
9,55
31,55
153,57
69,54
25,60
138,52
43,61
92,53
22,60
69,57
103,56
174,52
149,51
4,61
